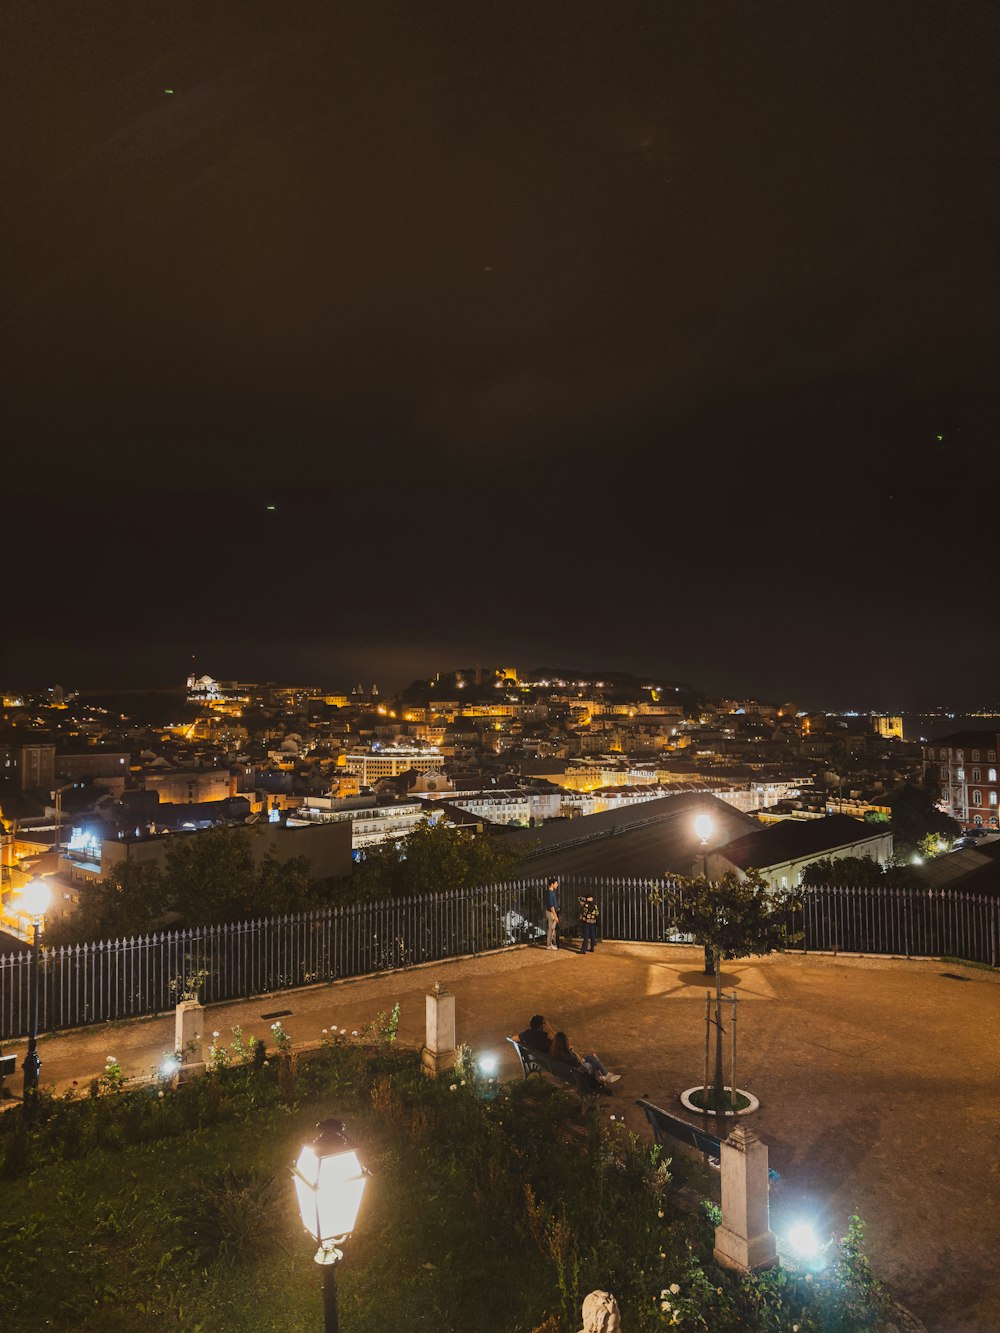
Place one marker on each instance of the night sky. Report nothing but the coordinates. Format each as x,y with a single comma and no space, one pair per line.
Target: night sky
354,342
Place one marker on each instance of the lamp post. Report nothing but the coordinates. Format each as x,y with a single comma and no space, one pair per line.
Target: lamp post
35,898
329,1182
704,827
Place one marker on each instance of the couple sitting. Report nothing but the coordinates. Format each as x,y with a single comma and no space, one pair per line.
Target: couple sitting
539,1036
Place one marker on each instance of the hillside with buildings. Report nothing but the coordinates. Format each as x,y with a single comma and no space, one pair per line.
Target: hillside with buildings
574,765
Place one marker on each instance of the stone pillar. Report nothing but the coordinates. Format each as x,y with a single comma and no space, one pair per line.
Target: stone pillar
744,1240
439,1052
188,1029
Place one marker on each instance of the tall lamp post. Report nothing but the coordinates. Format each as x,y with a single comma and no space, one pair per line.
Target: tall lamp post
329,1182
35,898
704,827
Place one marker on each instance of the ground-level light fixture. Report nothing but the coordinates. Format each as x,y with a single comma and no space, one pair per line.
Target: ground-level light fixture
809,1250
803,1240
169,1066
329,1184
488,1065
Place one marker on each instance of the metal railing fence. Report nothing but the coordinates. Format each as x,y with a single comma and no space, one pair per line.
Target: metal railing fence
116,979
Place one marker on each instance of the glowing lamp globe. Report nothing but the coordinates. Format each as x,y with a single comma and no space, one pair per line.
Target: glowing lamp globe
35,898
329,1182
703,826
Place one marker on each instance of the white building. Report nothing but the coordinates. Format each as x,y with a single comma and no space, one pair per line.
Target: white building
391,760
370,825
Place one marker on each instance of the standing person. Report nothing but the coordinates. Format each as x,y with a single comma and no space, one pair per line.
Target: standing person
589,912
552,913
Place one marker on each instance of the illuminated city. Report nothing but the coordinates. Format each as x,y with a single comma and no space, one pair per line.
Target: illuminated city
499,721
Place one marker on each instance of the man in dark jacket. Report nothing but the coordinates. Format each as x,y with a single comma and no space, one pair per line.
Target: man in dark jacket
589,912
537,1036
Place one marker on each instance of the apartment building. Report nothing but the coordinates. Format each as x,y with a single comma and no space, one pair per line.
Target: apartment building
964,766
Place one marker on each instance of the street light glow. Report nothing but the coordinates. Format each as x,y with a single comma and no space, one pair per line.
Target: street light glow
35,899
703,826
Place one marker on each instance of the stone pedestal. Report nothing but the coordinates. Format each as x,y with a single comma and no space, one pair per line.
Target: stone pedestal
439,1052
744,1240
188,1029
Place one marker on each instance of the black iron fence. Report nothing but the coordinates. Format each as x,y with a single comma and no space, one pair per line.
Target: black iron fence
115,979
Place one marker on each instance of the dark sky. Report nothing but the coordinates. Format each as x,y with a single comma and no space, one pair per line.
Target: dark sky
659,337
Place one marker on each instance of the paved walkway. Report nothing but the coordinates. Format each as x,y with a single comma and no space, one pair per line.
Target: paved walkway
877,1079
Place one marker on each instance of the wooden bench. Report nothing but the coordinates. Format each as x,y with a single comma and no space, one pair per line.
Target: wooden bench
583,1084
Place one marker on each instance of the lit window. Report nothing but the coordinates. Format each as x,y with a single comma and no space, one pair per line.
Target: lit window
993,798
991,775
978,821
960,775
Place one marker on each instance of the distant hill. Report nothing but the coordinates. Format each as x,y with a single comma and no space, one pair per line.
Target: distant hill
156,708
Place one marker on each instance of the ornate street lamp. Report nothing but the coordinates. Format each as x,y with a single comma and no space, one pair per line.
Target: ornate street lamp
329,1182
704,827
35,898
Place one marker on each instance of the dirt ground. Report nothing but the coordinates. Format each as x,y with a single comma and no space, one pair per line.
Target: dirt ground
877,1079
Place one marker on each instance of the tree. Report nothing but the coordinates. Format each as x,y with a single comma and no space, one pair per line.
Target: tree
206,879
861,872
212,877
733,917
914,815
122,904
856,872
432,859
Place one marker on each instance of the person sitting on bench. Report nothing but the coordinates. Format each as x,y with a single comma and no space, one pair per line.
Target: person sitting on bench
561,1050
538,1035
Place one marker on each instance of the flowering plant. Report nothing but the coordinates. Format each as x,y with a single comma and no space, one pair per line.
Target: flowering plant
112,1079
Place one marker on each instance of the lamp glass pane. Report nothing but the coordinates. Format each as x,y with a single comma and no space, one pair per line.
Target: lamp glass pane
341,1185
329,1191
338,1211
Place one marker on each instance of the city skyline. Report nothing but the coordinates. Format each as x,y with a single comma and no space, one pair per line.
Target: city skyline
354,346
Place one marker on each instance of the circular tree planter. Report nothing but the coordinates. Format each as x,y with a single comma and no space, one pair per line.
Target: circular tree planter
752,1104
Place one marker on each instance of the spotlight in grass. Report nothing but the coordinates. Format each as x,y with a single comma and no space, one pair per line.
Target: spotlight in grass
488,1065
169,1066
804,1241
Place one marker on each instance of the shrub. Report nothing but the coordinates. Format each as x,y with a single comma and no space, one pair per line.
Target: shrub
233,1218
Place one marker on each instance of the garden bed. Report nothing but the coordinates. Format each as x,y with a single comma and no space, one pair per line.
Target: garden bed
172,1207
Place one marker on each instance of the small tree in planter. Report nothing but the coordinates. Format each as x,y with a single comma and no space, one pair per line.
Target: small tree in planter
734,917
